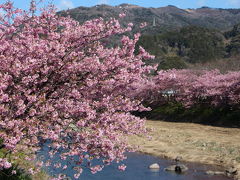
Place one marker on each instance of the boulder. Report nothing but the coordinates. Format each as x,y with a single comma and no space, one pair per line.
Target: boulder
177,168
231,172
219,173
181,168
210,173
154,166
214,173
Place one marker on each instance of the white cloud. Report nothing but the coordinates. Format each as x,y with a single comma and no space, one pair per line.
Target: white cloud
65,4
103,2
201,3
234,2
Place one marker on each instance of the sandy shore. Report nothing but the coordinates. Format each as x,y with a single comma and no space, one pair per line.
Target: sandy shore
193,142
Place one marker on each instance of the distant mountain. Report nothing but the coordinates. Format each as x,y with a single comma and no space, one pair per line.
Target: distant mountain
166,18
179,38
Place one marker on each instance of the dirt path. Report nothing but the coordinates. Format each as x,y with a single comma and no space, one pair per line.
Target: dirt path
194,142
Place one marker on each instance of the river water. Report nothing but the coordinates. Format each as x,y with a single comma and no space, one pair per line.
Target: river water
137,169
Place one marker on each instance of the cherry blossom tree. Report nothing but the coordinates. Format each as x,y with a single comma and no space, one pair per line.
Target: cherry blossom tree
58,83
191,87
212,88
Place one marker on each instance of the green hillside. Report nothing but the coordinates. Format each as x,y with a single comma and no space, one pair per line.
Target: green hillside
191,45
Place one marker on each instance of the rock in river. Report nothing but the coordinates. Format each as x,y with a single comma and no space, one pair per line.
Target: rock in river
177,168
154,166
215,173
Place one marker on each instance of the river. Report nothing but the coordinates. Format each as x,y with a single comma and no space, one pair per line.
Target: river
137,169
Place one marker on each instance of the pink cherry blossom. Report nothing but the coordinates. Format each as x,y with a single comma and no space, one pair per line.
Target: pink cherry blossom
59,83
122,167
122,15
4,164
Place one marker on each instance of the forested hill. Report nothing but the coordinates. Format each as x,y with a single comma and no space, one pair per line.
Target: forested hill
194,44
166,18
179,38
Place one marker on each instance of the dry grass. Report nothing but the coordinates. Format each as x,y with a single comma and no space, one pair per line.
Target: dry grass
194,142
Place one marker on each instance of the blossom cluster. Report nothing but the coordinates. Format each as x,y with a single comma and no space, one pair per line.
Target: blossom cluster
4,164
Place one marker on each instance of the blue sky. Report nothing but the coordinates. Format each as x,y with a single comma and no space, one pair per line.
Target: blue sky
64,4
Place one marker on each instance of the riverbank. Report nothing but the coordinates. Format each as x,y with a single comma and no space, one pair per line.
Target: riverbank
193,142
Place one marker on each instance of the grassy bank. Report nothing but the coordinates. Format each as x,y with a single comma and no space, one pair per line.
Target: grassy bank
194,142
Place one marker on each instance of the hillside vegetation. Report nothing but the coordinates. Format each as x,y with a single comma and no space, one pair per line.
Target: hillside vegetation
190,46
179,38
